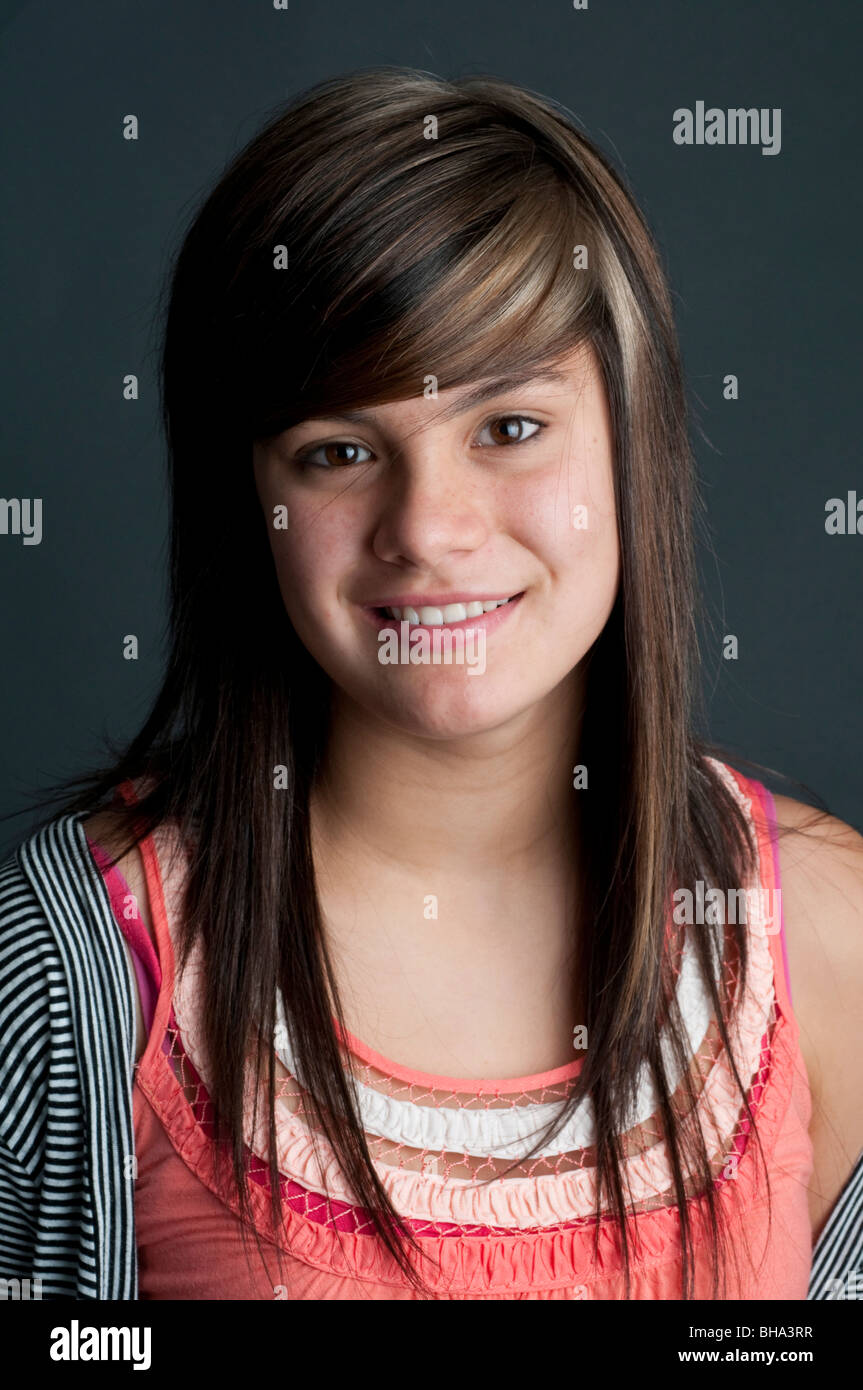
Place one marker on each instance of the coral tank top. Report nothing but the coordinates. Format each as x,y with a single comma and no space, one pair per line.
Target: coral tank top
441,1145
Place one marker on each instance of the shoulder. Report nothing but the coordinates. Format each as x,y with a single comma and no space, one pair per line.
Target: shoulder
36,1009
34,875
821,869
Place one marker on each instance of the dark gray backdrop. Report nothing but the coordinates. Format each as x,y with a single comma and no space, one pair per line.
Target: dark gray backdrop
761,252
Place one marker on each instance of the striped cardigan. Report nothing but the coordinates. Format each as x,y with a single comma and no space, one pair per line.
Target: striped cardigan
67,1055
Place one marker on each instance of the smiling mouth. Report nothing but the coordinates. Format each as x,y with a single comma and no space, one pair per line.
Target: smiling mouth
447,616
476,613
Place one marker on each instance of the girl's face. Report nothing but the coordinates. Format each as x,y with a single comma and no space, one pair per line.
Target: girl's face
494,491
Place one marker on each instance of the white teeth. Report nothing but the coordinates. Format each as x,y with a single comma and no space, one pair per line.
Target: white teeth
450,613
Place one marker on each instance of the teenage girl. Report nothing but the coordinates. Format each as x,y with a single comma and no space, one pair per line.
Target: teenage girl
428,1003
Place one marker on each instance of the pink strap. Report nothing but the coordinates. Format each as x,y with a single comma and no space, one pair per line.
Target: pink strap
147,969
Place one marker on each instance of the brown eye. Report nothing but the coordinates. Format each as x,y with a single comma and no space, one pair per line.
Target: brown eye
510,429
338,453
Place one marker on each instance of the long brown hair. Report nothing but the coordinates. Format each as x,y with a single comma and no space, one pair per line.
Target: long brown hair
428,226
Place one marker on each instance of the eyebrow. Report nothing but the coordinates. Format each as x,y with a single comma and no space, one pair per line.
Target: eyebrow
475,395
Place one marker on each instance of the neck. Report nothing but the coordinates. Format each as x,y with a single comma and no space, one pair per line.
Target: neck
498,804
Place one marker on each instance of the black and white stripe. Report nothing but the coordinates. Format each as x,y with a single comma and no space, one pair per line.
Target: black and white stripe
66,1071
837,1265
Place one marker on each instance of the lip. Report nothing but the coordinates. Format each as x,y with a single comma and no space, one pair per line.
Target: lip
489,621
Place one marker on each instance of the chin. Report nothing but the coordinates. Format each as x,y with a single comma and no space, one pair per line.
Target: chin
458,711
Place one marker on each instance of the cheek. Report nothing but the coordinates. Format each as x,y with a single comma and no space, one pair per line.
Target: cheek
568,517
311,557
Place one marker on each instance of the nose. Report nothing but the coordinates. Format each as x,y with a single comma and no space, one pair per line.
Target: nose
432,507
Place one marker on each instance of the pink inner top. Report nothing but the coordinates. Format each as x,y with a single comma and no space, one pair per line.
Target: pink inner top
148,972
